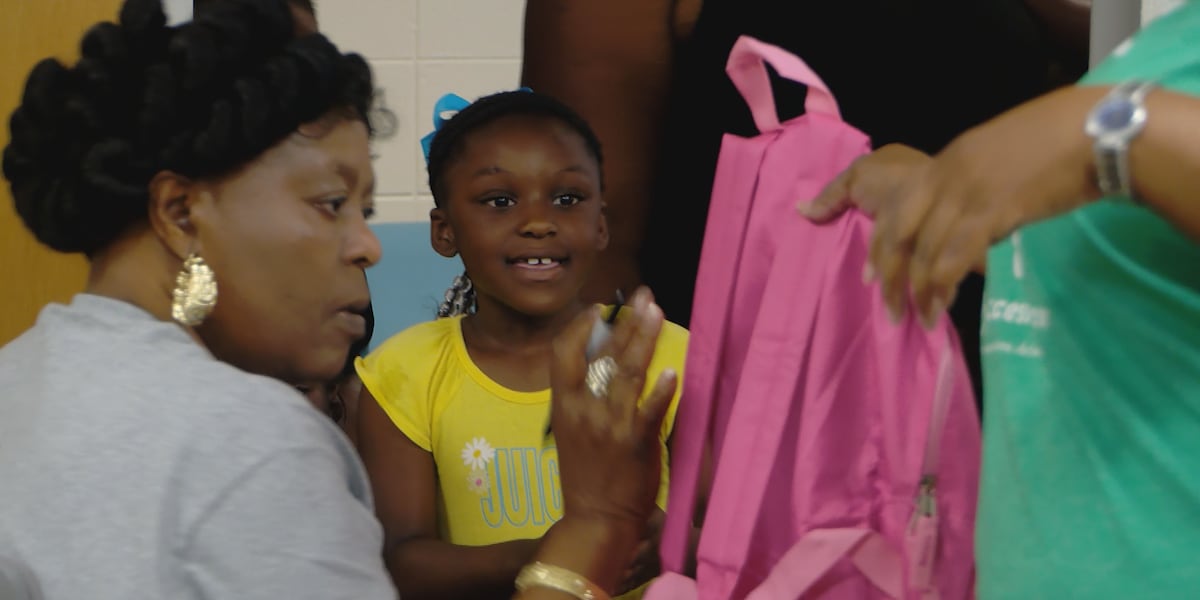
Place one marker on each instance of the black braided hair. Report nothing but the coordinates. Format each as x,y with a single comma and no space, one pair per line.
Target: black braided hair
459,298
200,99
448,141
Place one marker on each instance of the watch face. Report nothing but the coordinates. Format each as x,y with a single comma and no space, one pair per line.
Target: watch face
1115,114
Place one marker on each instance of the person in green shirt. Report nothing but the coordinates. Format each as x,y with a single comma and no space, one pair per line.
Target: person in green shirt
1091,318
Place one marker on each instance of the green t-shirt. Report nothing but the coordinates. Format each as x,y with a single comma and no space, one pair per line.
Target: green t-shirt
1091,354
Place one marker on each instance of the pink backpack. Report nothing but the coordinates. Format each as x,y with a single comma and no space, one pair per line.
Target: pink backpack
845,448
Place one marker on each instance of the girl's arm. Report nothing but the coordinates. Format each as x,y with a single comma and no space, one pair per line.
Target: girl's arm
404,481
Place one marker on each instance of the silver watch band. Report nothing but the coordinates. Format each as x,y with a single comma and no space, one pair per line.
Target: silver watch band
1112,171
1111,148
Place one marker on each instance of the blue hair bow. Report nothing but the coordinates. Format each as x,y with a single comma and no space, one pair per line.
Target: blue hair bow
449,103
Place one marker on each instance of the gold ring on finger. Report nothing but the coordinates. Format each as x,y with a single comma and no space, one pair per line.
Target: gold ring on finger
599,375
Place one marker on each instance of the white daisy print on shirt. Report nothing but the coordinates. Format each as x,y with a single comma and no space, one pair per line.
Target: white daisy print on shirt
478,453
477,482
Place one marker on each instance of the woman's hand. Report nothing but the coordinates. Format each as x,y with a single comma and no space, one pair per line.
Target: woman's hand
935,219
646,564
871,181
608,447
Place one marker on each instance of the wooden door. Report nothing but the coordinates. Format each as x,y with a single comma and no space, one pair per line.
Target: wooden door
32,275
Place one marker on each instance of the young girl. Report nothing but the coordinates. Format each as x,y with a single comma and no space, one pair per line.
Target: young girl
454,412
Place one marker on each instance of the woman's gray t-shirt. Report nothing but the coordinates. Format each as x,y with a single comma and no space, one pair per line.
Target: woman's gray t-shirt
133,464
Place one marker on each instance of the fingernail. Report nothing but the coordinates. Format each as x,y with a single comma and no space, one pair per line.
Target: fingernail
650,315
641,299
868,273
894,314
804,208
930,318
669,372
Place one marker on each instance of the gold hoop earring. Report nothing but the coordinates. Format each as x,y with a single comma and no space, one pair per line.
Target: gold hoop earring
195,292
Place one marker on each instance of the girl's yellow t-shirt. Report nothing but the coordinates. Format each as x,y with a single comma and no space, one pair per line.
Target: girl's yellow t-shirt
498,477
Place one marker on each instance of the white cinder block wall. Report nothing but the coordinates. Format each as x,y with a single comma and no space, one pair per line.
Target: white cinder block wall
421,49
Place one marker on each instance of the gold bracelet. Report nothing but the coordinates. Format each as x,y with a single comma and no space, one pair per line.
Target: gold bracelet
539,574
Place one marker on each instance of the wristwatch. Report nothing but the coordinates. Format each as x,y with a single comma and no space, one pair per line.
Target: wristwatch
1113,123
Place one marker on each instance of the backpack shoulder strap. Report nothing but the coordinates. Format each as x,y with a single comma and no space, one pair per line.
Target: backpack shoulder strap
747,67
716,281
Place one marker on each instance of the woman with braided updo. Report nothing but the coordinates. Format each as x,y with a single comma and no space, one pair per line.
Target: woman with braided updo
217,176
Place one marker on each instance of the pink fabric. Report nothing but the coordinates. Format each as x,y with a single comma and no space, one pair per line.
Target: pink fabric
816,409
